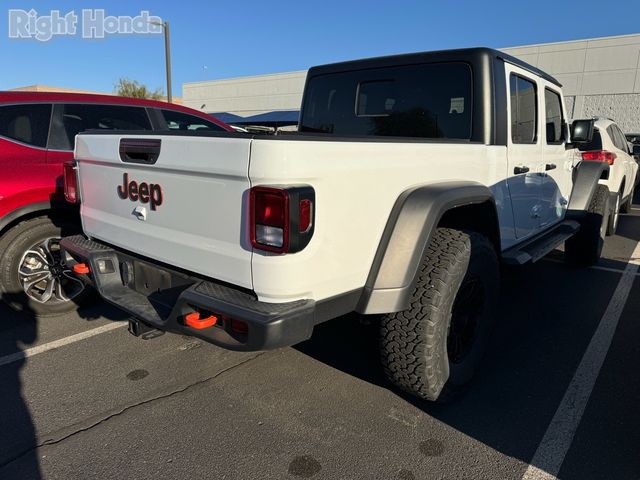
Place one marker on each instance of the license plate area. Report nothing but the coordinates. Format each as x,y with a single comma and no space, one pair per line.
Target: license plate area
161,287
149,280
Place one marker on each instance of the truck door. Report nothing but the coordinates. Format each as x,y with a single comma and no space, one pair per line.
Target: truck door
558,162
524,151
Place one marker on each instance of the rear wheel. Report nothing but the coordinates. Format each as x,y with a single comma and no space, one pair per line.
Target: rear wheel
585,247
32,277
626,206
433,349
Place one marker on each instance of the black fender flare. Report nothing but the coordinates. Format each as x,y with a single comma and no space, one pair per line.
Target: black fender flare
413,219
585,180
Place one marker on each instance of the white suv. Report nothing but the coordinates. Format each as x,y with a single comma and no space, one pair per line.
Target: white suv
610,145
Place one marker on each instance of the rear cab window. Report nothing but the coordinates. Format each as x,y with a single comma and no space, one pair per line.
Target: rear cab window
183,121
426,101
26,123
73,118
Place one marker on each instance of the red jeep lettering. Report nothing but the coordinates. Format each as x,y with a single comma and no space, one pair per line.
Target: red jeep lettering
150,193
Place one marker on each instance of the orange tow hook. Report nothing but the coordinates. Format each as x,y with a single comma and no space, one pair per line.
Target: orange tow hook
193,320
81,268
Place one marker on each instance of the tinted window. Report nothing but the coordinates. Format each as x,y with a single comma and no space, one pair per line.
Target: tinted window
612,131
184,121
595,144
553,117
612,135
71,119
524,110
622,140
26,123
428,101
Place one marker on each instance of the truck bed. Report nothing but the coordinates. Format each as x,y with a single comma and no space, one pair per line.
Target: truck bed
202,223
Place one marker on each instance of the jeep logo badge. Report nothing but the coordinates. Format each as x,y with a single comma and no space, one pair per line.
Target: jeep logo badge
150,193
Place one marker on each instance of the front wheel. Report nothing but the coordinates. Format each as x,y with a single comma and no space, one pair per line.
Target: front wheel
32,277
585,247
432,349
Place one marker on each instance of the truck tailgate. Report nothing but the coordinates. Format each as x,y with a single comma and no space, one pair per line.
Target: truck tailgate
184,209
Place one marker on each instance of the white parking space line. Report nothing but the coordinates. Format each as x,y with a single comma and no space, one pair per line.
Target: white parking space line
557,439
614,270
30,352
596,267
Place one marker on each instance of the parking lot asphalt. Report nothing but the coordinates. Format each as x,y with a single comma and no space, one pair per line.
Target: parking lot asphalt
82,398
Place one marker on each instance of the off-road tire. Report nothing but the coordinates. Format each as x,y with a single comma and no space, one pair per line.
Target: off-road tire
414,342
585,247
614,216
13,246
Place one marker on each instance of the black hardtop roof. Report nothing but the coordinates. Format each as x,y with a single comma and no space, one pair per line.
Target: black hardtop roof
471,55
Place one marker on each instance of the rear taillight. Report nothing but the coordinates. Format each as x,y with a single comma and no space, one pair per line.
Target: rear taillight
599,156
305,215
70,182
281,218
270,219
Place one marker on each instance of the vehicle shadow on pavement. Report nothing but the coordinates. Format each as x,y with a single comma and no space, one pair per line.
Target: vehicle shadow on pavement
19,331
548,314
17,432
630,223
18,436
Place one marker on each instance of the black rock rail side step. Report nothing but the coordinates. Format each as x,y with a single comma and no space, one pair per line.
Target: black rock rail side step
536,248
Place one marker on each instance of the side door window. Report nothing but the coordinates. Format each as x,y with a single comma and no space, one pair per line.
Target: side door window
73,118
26,123
524,110
556,175
183,121
524,151
554,118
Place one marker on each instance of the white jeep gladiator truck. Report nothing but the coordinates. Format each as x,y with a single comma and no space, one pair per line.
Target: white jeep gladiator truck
410,180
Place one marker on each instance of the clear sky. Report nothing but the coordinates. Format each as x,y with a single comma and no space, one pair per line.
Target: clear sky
249,37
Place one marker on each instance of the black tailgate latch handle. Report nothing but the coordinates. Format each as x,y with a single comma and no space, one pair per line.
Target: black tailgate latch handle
140,150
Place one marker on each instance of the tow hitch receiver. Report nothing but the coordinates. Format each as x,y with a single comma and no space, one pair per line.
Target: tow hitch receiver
141,329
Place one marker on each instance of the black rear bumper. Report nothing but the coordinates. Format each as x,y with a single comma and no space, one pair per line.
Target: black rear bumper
160,297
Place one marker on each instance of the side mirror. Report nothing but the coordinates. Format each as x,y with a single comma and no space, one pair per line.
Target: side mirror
582,131
636,150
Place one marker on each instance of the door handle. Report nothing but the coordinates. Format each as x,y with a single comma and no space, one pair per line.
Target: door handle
550,166
519,170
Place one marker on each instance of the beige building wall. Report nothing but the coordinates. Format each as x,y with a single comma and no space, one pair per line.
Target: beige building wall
247,96
601,76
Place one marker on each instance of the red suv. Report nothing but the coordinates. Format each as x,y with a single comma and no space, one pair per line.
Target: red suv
37,134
